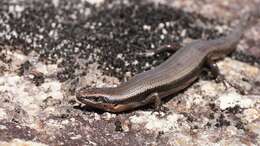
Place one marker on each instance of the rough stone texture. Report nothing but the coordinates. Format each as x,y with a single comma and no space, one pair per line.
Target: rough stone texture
49,48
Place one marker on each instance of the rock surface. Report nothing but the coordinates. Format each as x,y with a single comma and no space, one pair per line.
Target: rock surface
49,48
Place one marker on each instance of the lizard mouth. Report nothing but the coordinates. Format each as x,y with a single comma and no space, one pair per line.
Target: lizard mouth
98,104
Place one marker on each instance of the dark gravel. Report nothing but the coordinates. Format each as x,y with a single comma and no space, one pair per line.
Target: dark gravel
113,34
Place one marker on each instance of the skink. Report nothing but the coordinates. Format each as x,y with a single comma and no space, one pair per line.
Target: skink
175,74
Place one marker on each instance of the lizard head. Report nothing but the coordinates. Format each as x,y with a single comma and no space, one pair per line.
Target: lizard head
93,95
96,98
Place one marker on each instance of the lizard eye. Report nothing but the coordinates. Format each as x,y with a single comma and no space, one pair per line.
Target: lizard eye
99,99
